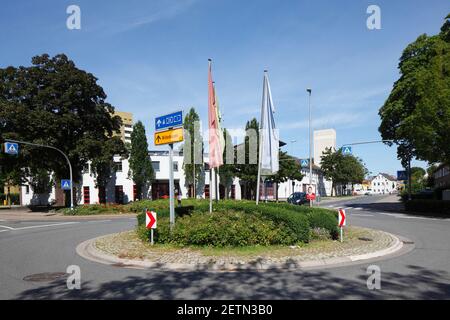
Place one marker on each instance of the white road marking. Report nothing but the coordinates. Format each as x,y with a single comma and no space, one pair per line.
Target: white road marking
43,226
6,227
94,221
362,215
358,208
3,230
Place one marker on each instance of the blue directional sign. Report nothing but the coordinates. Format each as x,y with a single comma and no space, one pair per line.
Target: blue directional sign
169,121
346,150
11,148
304,162
65,184
402,175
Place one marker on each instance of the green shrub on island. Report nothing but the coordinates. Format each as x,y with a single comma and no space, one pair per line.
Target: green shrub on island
222,228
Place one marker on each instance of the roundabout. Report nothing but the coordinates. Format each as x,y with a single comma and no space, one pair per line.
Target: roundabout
126,250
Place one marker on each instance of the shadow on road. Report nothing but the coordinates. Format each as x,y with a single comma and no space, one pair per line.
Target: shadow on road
419,283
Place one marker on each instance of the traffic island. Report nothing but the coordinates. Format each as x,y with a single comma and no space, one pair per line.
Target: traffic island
126,249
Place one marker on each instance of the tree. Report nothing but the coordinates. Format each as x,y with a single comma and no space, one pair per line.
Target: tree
227,171
289,169
342,169
418,180
416,114
248,172
52,102
193,152
141,169
102,165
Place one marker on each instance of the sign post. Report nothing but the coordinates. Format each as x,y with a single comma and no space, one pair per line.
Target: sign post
342,222
16,142
150,223
171,187
171,125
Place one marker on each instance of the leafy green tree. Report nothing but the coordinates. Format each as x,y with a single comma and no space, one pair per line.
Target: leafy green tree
102,166
52,102
416,114
193,151
418,180
342,169
227,171
248,172
289,169
141,169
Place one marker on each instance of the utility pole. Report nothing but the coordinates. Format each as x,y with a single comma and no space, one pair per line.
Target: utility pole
310,143
65,156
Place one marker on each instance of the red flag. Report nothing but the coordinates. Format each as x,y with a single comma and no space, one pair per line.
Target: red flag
215,150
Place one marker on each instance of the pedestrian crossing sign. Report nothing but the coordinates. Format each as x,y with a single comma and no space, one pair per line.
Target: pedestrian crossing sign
347,150
65,184
305,162
11,148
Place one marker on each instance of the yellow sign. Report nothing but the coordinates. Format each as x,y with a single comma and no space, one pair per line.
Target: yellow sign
169,136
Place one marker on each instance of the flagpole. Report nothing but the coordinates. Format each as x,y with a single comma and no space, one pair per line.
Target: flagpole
260,141
210,188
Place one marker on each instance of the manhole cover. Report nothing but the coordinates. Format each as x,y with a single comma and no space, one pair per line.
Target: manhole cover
365,239
45,277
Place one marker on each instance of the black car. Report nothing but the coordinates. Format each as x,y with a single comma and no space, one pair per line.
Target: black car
298,198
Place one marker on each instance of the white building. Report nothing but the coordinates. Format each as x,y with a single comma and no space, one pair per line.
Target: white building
121,189
323,139
383,184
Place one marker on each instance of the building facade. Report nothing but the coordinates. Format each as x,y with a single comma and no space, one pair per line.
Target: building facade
323,139
384,184
121,189
127,125
442,176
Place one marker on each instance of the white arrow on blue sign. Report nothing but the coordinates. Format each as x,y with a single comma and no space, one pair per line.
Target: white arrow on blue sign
347,150
11,148
65,184
305,162
169,121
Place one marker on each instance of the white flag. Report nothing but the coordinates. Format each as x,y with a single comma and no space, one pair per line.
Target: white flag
269,138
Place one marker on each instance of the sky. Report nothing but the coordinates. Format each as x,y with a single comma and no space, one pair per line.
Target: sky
151,57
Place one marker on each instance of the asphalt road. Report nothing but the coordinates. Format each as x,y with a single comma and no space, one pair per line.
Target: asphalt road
32,247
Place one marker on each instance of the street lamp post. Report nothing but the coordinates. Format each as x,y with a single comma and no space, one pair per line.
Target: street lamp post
65,156
310,143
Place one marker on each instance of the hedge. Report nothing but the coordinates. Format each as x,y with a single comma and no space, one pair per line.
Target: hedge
294,220
428,207
221,229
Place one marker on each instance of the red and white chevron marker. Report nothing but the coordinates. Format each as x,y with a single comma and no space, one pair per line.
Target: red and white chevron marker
342,222
150,219
342,218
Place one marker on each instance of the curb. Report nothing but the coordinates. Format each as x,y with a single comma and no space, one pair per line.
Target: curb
88,251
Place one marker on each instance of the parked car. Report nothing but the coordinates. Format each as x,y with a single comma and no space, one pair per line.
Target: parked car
369,192
298,198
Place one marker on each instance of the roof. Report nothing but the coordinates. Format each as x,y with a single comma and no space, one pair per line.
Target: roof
388,176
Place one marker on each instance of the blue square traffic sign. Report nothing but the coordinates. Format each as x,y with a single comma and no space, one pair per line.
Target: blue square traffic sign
65,184
402,175
304,162
11,148
346,150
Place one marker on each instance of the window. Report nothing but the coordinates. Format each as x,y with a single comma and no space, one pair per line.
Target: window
175,166
118,166
155,165
27,189
86,168
86,195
